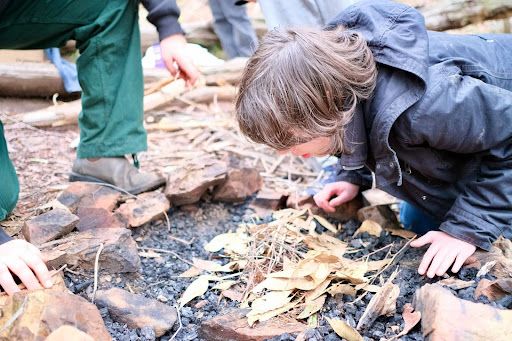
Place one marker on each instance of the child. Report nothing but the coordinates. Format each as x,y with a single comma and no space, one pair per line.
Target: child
429,113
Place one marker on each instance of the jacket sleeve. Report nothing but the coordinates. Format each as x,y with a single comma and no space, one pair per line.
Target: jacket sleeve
4,237
467,116
164,15
361,177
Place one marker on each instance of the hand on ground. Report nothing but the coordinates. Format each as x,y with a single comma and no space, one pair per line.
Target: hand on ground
24,260
335,194
176,59
444,251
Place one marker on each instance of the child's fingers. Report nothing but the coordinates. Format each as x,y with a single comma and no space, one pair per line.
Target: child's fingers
6,280
340,199
322,199
24,273
449,258
436,262
427,258
423,240
37,265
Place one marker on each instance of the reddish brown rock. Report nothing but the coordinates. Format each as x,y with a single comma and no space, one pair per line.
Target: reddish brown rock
66,333
147,207
240,184
49,226
500,254
41,312
381,214
188,184
119,253
97,218
494,290
234,326
89,195
343,212
137,311
446,317
268,200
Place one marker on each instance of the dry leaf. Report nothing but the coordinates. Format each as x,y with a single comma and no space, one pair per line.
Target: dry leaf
220,241
376,265
406,234
270,301
342,289
269,314
224,285
312,307
368,287
233,295
455,283
319,290
371,227
411,318
326,243
302,269
197,288
305,283
231,243
485,269
344,330
326,223
191,272
208,265
352,271
149,254
322,272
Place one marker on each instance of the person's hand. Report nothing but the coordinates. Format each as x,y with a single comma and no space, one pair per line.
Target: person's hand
22,259
335,194
444,251
173,49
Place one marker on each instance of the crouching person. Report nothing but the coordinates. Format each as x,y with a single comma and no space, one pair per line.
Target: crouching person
429,113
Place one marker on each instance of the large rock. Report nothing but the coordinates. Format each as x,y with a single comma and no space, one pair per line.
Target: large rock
268,200
147,207
119,251
137,311
49,226
34,315
243,180
89,195
188,184
500,254
446,317
98,218
381,214
66,332
234,326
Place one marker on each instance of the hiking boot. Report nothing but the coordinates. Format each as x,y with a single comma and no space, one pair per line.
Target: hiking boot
117,171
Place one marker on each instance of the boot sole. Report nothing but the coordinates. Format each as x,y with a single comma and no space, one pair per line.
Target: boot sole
75,177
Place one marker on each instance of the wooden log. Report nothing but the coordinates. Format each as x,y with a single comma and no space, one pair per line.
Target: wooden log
29,79
208,94
451,14
67,113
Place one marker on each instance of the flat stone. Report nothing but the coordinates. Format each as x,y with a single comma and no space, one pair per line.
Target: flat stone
446,317
234,326
268,200
97,218
89,195
344,212
381,214
49,226
146,208
66,333
42,312
239,185
137,311
119,252
186,185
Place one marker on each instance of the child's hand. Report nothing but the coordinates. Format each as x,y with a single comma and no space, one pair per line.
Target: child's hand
444,251
335,194
22,259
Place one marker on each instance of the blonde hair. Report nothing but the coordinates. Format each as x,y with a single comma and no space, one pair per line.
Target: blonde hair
304,83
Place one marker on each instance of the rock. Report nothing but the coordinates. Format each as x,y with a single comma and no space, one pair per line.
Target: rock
234,326
147,207
494,290
49,226
381,214
500,253
89,195
137,311
97,218
187,185
240,184
343,212
66,332
446,317
119,253
268,200
41,312
375,196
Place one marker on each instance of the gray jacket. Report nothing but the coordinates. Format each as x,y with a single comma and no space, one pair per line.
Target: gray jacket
438,130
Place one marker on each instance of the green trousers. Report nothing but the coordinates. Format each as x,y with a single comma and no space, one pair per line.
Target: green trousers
109,69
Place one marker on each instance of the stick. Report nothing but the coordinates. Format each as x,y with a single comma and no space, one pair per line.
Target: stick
96,266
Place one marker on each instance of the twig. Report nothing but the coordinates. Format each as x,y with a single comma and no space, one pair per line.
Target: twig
179,320
15,316
166,251
96,266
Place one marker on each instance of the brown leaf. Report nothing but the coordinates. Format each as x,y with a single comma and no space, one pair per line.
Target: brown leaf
411,319
270,301
197,288
319,290
342,289
376,265
312,307
344,330
233,295
305,283
406,234
207,265
269,314
191,272
352,271
371,227
455,283
224,285
326,223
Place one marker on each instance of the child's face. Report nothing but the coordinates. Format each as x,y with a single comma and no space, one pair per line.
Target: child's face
316,147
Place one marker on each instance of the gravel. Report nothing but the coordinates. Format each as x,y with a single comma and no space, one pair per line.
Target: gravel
159,277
